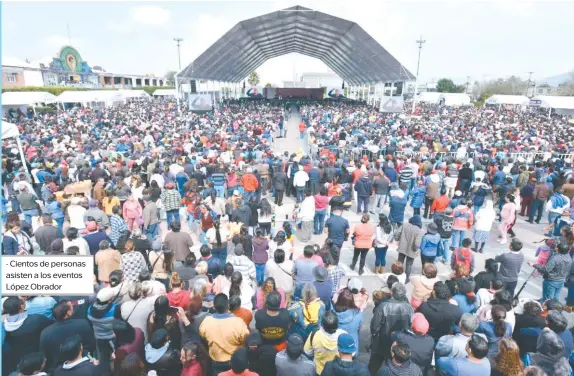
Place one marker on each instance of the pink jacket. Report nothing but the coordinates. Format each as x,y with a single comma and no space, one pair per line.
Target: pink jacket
132,210
508,213
261,299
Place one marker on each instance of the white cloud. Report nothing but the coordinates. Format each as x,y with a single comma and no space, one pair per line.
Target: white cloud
150,15
58,41
122,28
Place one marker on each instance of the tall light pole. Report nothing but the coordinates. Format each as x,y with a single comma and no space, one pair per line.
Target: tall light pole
178,42
420,42
528,87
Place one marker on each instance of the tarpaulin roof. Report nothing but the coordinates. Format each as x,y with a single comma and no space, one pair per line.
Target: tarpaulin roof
16,98
508,99
342,45
548,101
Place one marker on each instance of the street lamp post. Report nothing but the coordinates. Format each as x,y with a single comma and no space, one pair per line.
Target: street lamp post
178,42
420,42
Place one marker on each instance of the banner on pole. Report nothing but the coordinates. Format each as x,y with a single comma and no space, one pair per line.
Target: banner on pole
334,93
200,102
392,104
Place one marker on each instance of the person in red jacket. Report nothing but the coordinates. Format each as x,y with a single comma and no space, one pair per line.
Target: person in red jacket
302,128
440,203
249,183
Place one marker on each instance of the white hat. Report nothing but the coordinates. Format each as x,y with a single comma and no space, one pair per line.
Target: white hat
355,285
106,294
458,193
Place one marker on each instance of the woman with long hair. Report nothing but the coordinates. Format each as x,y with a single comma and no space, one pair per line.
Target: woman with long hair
109,201
280,242
215,203
265,212
349,315
483,223
163,318
383,238
508,217
268,286
194,359
502,298
128,340
507,362
222,282
496,329
307,313
217,238
241,289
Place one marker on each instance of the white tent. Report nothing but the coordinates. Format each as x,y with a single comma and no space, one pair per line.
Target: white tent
16,98
10,130
109,97
135,94
560,105
449,99
498,99
164,92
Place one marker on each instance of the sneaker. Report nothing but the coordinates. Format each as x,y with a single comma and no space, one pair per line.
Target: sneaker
502,242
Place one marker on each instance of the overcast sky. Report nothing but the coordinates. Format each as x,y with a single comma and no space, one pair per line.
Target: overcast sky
479,39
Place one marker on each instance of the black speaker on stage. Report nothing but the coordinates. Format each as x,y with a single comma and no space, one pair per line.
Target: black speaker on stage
193,85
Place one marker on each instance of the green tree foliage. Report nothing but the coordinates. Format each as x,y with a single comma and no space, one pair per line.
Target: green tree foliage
57,90
269,84
254,79
169,76
446,85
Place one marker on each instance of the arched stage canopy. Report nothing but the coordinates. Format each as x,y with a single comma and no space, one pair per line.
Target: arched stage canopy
342,45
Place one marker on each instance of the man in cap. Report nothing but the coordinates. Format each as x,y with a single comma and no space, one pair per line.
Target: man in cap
421,344
291,361
344,364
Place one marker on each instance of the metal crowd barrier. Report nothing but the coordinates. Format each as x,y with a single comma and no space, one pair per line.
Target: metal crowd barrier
354,153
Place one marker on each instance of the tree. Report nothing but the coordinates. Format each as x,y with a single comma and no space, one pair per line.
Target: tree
253,79
169,76
269,84
445,85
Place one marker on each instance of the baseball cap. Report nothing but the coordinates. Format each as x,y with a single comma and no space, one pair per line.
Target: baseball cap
346,344
420,324
106,294
458,193
295,345
355,285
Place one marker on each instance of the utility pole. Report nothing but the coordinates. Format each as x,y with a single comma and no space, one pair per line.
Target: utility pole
178,42
467,83
420,42
529,80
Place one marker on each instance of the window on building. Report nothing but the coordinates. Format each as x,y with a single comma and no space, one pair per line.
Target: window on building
11,77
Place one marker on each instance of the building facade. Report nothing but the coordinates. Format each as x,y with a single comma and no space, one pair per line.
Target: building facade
69,69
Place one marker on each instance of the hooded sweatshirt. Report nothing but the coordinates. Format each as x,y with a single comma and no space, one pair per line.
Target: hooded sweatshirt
82,367
338,367
350,321
463,256
22,337
549,355
179,299
102,318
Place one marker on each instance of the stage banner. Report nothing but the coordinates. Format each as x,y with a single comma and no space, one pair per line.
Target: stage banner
254,92
200,102
334,93
392,104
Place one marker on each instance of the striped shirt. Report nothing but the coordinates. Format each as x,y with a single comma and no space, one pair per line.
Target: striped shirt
406,174
335,274
218,179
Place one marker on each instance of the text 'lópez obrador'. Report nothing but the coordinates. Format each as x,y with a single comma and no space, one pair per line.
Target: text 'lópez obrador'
47,275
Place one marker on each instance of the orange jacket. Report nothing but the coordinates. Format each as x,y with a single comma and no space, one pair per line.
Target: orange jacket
440,204
302,126
249,182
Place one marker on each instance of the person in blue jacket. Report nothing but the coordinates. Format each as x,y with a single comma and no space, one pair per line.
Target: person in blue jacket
418,197
397,204
429,244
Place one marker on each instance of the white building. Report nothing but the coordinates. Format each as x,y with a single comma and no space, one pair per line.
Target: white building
321,79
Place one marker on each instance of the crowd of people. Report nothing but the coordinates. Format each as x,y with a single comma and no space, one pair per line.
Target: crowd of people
235,286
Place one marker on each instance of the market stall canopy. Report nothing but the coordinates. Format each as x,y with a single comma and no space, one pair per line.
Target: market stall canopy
19,98
342,45
9,130
164,92
134,93
449,99
90,96
555,102
499,99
